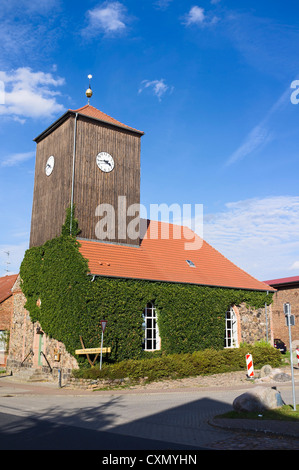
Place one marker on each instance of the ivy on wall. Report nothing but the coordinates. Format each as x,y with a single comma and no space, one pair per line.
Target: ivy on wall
68,303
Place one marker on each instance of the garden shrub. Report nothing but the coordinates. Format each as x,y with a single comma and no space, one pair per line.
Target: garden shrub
173,366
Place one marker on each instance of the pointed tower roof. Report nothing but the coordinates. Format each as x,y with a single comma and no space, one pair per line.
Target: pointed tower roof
95,113
90,112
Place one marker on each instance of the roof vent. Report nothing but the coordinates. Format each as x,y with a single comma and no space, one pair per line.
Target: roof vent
190,263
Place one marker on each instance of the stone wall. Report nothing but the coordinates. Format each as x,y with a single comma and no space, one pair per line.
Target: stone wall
22,332
27,341
253,324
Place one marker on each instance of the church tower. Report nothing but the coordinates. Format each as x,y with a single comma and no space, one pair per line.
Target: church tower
89,161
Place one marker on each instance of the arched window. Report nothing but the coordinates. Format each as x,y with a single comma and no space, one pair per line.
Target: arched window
151,341
231,332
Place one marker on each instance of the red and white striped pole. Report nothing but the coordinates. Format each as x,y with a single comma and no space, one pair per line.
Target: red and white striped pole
249,363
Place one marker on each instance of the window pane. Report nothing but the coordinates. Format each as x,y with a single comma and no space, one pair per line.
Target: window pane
231,339
150,326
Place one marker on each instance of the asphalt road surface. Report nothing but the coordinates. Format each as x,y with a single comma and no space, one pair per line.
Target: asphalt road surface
175,420
19,433
169,421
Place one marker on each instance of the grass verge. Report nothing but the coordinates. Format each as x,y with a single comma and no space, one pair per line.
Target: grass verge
285,413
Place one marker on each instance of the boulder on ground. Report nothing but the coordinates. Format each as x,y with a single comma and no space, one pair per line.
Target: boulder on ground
282,377
267,374
266,371
257,400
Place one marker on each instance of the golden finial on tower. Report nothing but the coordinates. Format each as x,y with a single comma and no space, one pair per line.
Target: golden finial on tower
89,90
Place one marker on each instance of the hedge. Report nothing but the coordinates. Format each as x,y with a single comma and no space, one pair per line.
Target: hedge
176,366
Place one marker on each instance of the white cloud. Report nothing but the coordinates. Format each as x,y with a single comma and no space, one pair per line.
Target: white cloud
29,94
108,18
197,16
259,235
16,158
257,138
295,266
163,4
41,7
28,29
265,43
261,134
158,87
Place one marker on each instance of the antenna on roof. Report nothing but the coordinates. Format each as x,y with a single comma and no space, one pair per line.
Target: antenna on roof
89,90
7,262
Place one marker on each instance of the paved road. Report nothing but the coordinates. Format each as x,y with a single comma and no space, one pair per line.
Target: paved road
41,418
20,433
174,419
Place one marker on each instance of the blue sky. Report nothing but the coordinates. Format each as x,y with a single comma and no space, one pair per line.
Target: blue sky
211,83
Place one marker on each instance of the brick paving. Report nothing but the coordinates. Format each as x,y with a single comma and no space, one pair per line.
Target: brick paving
256,441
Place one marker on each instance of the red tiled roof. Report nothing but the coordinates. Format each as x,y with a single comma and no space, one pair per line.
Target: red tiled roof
6,284
95,113
160,259
89,111
283,280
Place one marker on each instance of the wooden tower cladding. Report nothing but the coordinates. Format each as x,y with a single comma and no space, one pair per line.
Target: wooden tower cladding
75,140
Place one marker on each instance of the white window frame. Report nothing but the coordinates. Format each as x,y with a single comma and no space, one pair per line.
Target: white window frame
151,341
231,330
3,340
3,345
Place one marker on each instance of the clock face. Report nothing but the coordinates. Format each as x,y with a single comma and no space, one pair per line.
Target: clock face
49,165
105,162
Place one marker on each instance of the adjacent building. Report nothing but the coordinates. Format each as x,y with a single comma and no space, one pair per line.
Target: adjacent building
286,291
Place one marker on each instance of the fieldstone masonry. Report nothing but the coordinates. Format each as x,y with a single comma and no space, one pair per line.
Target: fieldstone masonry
254,325
26,344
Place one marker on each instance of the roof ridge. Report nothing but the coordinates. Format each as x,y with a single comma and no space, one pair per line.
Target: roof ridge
109,119
282,280
82,107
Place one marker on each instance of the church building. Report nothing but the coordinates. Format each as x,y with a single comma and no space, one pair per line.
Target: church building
89,162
